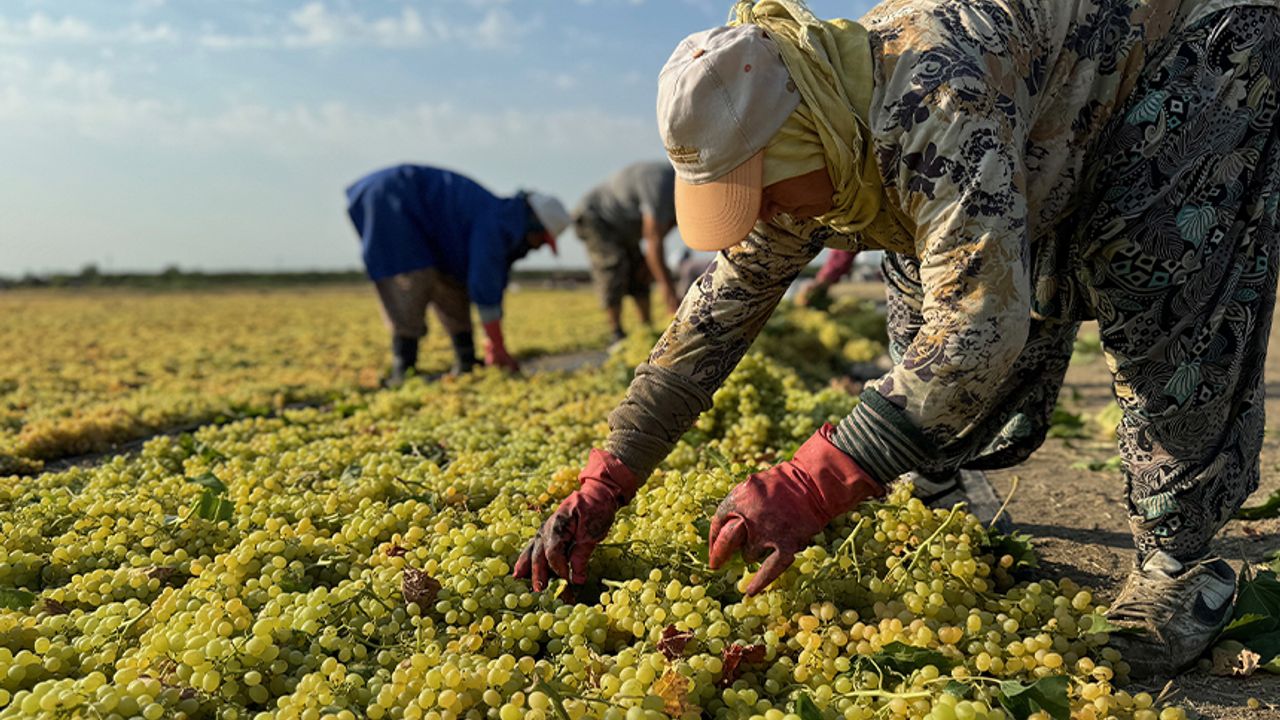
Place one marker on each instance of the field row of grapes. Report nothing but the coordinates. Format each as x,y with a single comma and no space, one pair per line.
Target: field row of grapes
354,560
84,371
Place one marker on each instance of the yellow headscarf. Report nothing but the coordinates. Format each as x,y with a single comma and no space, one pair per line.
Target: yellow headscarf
830,63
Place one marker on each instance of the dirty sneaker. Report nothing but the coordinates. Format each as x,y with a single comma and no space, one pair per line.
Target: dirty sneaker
1172,612
963,486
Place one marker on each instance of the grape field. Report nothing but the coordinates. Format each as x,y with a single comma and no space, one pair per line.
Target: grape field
352,558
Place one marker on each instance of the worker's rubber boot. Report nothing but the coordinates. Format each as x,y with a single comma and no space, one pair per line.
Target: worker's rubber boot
616,339
945,490
404,358
464,353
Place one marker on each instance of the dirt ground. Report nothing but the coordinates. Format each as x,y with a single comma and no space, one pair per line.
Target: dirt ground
1078,521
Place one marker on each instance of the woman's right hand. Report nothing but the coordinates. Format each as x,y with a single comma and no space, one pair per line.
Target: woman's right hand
564,543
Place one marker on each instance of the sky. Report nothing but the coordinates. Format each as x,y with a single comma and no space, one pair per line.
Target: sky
142,134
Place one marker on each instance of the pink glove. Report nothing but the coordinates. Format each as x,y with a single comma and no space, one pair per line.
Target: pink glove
565,541
839,263
495,348
777,512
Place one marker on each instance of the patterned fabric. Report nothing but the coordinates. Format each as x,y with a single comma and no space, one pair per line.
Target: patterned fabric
1179,262
1172,249
982,116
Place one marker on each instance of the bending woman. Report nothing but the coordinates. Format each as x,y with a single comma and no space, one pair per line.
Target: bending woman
1027,165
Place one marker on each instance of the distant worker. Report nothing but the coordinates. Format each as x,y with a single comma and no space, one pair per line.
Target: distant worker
434,237
636,203
817,294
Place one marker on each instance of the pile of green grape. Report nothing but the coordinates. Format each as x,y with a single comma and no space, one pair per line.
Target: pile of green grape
83,371
355,561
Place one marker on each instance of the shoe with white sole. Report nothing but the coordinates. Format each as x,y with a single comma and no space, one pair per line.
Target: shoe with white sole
1171,612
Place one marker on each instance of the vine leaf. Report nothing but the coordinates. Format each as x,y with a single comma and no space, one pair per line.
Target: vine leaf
805,708
673,642
418,587
214,506
673,688
1046,694
16,599
905,658
209,481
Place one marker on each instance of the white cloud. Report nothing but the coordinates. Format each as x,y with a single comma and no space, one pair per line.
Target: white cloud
498,29
67,101
564,81
43,29
139,34
62,96
222,41
317,25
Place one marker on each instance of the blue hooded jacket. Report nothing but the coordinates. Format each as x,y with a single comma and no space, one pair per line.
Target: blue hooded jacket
412,217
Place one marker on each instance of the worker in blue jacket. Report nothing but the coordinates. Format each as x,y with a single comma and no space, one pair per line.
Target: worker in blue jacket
434,237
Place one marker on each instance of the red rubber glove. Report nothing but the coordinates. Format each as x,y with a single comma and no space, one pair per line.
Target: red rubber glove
495,348
777,512
565,541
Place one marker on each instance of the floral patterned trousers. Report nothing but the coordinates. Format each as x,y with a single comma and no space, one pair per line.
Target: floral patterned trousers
1172,249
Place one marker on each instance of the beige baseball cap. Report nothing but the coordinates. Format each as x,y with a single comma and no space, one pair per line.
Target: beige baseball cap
722,95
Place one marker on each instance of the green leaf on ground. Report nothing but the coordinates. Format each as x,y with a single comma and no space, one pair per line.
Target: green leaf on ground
717,458
805,708
702,551
351,474
905,658
1087,344
1256,618
1106,421
200,448
1100,624
1016,545
214,506
210,481
1066,424
1258,594
1047,694
1270,508
1112,464
1268,648
16,599
1246,626
958,689
703,526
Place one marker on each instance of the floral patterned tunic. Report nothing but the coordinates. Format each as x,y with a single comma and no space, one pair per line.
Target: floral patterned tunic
983,117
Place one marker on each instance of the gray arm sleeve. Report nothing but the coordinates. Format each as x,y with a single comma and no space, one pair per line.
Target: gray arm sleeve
716,324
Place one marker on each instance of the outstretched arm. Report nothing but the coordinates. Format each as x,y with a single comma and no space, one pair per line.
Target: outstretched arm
655,258
719,319
725,311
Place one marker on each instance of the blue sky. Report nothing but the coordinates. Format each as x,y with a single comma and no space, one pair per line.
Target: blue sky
137,134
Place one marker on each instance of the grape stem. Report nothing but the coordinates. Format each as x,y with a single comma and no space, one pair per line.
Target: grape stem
915,554
1013,488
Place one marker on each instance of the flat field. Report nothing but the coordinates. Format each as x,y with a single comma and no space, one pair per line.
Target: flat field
351,558
83,371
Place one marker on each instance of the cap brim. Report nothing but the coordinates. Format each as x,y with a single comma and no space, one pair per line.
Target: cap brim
551,243
713,216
